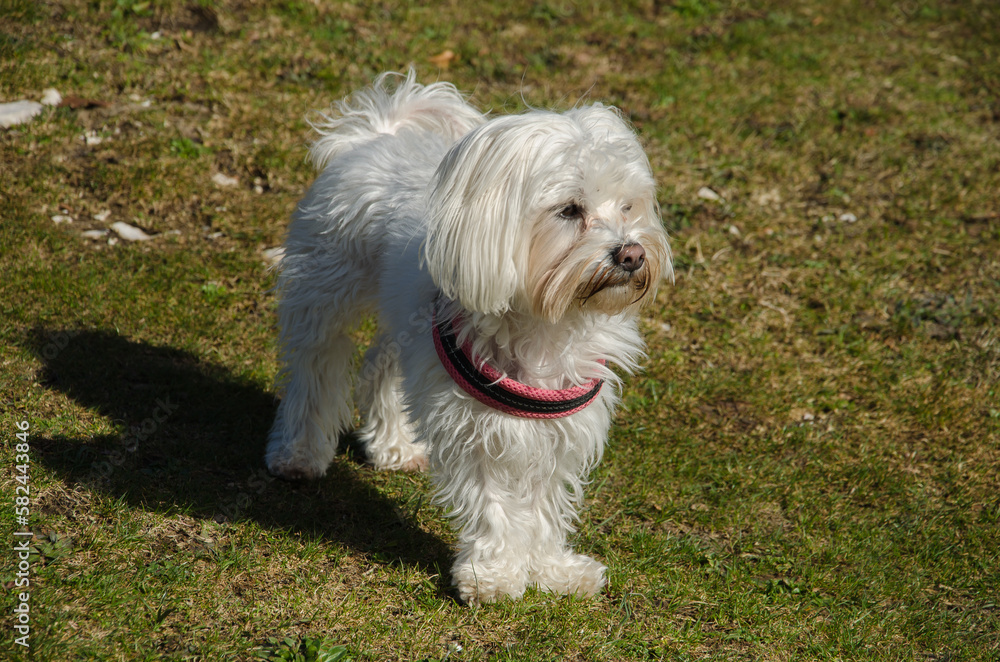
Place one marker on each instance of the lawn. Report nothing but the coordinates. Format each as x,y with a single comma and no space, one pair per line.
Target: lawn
808,467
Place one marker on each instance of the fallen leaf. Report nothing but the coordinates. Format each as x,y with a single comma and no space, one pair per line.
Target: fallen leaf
444,59
77,103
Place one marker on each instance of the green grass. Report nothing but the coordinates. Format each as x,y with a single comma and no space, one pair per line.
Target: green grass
808,468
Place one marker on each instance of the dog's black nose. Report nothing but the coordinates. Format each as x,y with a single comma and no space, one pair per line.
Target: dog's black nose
630,257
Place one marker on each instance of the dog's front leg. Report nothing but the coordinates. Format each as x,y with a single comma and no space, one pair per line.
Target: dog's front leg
513,508
481,485
492,560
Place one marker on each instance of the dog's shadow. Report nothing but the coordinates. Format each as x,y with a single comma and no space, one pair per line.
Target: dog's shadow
192,441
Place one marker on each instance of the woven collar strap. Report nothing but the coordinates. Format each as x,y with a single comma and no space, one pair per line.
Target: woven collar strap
486,384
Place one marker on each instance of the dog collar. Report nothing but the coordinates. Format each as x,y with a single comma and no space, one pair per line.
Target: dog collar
486,384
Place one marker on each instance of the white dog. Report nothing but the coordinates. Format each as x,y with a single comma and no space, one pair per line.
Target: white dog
506,259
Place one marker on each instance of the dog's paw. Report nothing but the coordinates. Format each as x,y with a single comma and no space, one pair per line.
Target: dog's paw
480,583
571,574
294,467
415,464
403,456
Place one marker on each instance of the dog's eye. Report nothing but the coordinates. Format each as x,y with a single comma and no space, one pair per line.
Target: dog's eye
571,212
626,208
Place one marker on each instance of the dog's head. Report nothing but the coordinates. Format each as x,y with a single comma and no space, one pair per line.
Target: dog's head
542,212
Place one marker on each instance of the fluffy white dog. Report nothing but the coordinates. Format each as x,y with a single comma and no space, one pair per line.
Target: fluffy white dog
506,259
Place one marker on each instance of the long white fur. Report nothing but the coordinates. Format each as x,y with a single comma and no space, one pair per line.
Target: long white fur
422,202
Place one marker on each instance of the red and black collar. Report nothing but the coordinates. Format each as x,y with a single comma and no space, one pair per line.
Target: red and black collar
488,385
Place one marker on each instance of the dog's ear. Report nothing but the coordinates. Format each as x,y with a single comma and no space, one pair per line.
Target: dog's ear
479,208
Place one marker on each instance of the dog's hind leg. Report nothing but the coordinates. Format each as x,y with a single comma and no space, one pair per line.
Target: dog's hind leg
388,436
316,351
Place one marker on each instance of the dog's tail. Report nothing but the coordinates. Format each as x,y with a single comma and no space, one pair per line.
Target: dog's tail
393,102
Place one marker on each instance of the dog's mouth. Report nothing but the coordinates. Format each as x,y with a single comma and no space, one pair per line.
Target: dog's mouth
610,276
624,267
